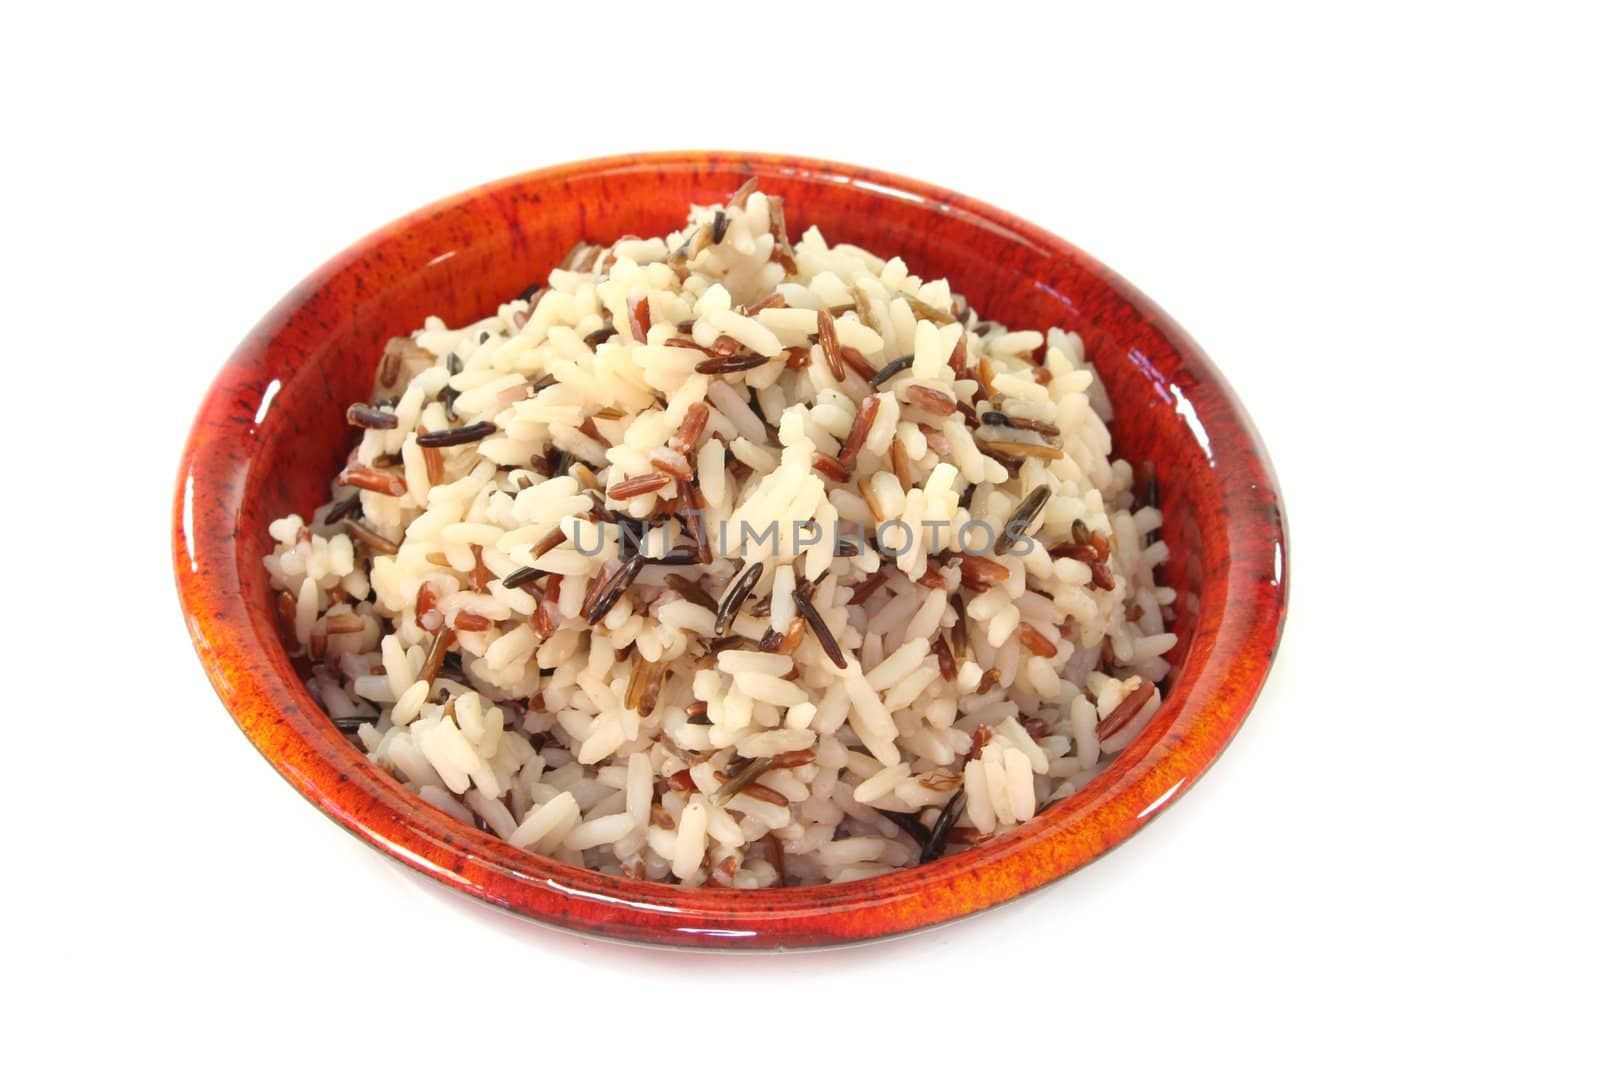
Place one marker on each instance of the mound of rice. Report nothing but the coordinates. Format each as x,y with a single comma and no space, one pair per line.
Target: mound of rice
684,565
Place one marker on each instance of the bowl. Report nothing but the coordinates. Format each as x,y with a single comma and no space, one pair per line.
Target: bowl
270,435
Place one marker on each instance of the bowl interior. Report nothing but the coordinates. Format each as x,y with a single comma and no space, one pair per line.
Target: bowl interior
273,435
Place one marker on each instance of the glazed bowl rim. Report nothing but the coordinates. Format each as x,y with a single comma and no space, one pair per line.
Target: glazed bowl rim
246,663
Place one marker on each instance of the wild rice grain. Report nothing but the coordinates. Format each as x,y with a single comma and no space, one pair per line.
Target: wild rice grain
606,593
461,435
1021,518
908,823
870,499
370,418
741,196
376,481
863,305
1124,712
946,661
766,794
471,622
934,401
433,464
792,637
985,375
865,415
542,621
775,856
1069,550
829,468
684,342
429,617
742,780
890,369
958,357
639,485
481,575
687,436
939,836
731,364
1043,429
644,685
900,462
639,316
819,629
343,508
1018,449
687,249
978,573
958,632
782,252
828,339
672,464
737,593
370,537
794,758
868,585
442,643
854,360
694,521
1035,642
927,312
548,542
521,577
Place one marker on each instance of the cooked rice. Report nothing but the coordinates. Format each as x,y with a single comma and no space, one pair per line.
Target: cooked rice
556,435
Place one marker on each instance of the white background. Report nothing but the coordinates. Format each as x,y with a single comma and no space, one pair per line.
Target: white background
1381,223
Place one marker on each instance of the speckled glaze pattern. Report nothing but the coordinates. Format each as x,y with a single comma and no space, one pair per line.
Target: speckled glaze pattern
270,435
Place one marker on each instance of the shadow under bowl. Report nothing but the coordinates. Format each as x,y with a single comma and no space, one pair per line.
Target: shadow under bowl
271,434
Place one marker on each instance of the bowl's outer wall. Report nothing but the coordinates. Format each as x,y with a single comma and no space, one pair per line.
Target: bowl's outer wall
271,434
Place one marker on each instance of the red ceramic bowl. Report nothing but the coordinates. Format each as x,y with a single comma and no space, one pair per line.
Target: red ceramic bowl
271,435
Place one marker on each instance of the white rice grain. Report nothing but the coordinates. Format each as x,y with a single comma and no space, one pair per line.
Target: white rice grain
690,844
